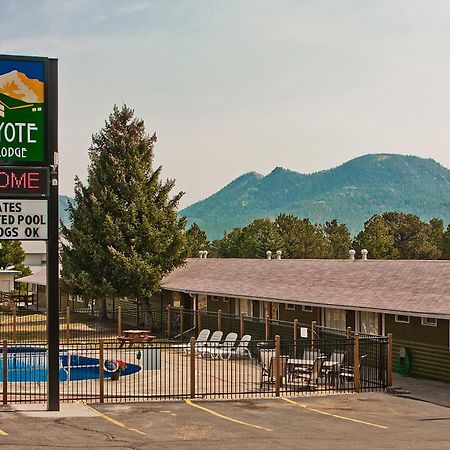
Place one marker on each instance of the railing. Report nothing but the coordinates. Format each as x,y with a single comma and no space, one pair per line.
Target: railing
105,371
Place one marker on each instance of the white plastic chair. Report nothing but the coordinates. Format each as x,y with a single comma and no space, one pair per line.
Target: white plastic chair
239,351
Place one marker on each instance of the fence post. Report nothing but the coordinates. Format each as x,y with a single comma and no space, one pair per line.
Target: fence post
241,323
295,338
119,321
313,334
192,354
101,362
356,362
181,323
389,360
68,324
5,372
14,325
169,321
267,328
137,312
219,320
277,367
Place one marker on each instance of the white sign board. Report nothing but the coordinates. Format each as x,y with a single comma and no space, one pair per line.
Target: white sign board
23,220
303,332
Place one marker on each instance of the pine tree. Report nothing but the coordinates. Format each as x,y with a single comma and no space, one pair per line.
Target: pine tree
196,240
125,233
12,254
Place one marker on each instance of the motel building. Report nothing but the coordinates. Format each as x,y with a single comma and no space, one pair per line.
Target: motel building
408,298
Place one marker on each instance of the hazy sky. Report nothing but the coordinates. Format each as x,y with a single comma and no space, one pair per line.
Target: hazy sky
237,86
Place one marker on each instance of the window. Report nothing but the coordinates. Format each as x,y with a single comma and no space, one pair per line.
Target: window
307,308
368,322
226,299
290,306
429,321
244,306
335,318
401,318
214,298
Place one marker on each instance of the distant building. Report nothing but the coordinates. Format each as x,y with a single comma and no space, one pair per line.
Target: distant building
7,279
35,255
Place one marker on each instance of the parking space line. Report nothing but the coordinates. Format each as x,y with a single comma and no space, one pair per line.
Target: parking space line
362,422
231,419
114,421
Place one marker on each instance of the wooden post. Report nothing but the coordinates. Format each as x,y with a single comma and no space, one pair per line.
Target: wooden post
241,323
277,366
14,325
356,362
313,334
68,325
169,321
219,320
101,361
267,328
5,372
389,360
181,323
192,342
119,321
295,338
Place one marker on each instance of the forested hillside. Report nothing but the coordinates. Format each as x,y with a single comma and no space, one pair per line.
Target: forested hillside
350,193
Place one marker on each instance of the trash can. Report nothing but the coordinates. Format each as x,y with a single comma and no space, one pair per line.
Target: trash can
151,358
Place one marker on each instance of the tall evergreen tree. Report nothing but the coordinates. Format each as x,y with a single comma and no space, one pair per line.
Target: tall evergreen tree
339,237
12,254
196,240
125,233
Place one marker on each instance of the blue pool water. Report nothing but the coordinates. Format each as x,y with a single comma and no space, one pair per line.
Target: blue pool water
29,364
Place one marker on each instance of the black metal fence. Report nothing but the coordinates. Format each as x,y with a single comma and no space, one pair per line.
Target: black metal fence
108,371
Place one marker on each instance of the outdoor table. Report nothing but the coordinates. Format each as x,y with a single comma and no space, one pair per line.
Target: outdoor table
135,337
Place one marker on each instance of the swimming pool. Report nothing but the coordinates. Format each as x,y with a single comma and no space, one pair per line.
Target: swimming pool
29,364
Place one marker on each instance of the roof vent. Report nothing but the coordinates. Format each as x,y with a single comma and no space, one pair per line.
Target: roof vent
200,254
269,254
205,254
279,252
364,254
352,254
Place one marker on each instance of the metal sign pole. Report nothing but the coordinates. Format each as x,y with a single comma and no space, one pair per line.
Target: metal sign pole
53,241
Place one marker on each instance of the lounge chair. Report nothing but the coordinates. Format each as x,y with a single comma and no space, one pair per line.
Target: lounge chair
216,348
226,352
204,347
202,337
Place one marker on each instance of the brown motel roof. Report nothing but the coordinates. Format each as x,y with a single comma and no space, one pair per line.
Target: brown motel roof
416,287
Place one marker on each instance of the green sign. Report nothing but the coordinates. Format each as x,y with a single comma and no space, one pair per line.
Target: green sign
22,111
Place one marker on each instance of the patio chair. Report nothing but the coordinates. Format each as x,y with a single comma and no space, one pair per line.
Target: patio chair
203,336
241,350
214,349
332,367
204,347
309,374
268,366
347,373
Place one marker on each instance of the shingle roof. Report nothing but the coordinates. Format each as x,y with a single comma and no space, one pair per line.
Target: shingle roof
412,286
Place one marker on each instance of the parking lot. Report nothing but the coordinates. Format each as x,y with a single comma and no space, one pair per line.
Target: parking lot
373,420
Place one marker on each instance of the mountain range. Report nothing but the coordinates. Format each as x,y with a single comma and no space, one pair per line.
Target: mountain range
17,85
350,193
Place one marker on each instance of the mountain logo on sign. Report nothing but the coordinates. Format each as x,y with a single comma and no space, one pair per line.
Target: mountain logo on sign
17,91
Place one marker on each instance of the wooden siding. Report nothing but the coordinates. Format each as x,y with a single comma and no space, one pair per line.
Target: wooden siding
428,346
